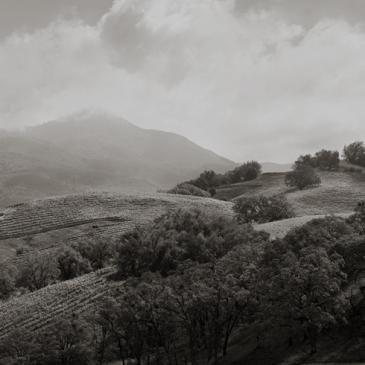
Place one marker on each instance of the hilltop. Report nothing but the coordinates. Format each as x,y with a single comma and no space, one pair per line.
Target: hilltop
96,152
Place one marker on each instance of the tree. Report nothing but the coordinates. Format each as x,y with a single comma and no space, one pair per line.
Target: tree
302,288
67,343
261,209
8,276
246,172
38,271
302,176
71,264
306,160
96,250
327,160
180,236
355,153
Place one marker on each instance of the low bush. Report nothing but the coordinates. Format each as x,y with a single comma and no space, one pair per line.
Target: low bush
302,176
188,189
261,209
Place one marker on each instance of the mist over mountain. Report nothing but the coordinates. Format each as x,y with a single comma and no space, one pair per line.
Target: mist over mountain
95,151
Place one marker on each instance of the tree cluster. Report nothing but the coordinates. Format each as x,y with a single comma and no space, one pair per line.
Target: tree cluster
209,180
302,176
38,269
324,160
355,153
262,209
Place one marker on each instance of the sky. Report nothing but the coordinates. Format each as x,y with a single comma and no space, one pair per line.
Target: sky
249,79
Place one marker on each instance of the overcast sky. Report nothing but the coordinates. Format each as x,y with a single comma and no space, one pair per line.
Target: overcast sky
249,79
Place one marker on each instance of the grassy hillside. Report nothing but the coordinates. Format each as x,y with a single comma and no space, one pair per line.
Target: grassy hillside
338,193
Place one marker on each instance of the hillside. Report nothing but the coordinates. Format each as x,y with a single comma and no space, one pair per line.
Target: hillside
46,224
338,193
96,152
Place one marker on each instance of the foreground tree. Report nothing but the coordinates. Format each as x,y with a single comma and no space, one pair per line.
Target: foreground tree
181,236
302,289
302,176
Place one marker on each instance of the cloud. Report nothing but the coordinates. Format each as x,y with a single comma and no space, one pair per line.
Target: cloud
248,83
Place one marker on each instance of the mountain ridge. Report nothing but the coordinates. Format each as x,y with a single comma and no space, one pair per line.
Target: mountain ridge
96,152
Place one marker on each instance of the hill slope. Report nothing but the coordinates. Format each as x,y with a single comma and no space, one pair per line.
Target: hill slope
338,193
45,224
90,151
48,223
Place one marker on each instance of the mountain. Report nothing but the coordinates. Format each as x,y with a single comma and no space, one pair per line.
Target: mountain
95,151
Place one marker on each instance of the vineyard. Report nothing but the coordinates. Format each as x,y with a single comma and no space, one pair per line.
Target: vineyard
38,310
46,224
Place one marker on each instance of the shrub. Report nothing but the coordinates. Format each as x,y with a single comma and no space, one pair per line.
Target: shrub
181,236
188,189
261,209
246,172
96,250
39,270
355,153
71,263
302,176
8,274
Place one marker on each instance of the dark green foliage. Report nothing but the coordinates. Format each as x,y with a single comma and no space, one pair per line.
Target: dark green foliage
71,264
38,271
180,236
322,232
352,249
189,189
357,220
327,160
261,209
246,172
303,288
324,160
8,274
355,153
302,176
97,251
66,343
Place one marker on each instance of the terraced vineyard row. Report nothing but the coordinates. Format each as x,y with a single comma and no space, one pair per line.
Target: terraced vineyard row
36,311
57,213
